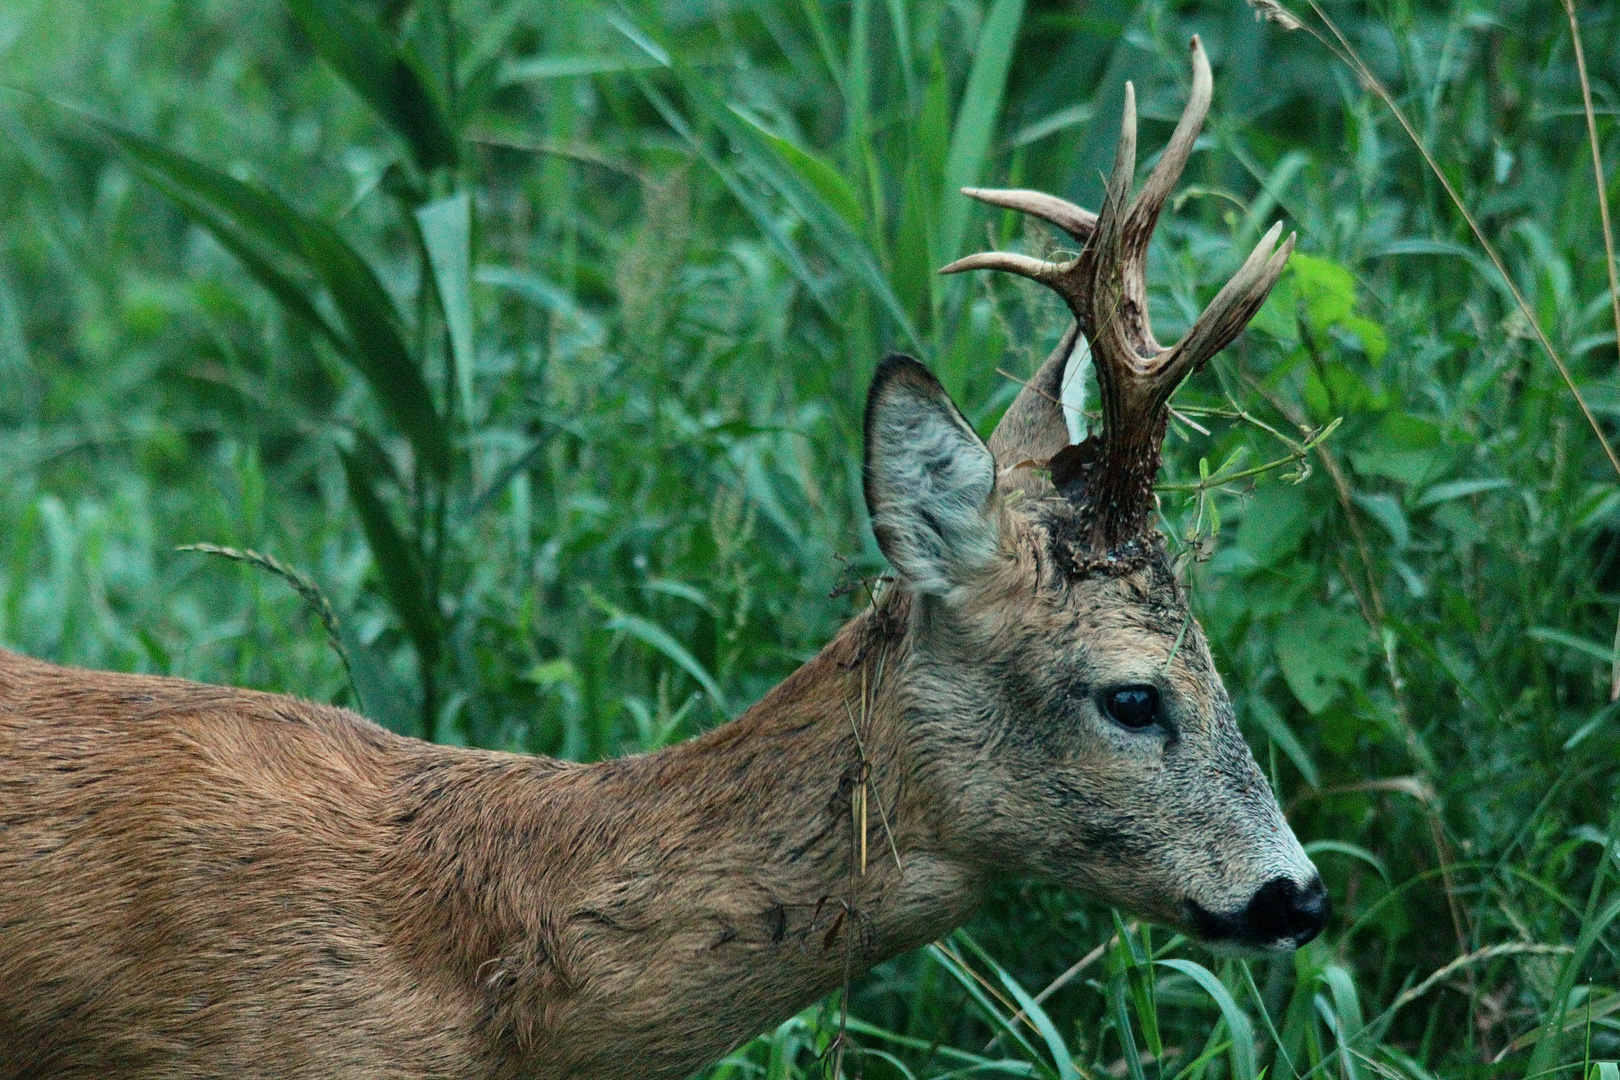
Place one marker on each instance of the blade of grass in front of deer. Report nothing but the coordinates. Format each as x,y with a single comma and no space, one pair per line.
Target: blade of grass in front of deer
1028,1008
976,989
1236,1020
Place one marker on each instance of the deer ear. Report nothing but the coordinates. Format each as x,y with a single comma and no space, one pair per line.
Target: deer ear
929,479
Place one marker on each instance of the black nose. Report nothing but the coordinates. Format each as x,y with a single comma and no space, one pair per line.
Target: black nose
1282,909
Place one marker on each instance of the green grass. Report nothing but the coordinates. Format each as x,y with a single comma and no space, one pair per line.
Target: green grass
535,334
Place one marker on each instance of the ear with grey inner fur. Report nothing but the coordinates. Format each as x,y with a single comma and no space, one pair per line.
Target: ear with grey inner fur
929,479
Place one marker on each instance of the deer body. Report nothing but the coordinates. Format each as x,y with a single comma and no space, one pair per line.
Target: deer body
203,882
278,888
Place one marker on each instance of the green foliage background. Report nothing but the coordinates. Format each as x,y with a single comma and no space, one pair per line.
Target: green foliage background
535,333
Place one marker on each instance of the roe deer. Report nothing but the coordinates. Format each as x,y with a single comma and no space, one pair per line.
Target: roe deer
207,882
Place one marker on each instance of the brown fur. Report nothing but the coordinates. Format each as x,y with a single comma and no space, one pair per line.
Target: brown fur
211,882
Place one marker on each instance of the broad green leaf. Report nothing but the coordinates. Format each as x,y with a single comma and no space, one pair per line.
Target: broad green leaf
976,116
250,222
289,293
447,235
385,73
255,211
1458,489
1385,510
1374,342
1320,651
255,224
1325,289
1275,521
1407,449
400,570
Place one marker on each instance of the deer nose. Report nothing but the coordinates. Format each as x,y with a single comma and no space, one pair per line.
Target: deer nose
1283,910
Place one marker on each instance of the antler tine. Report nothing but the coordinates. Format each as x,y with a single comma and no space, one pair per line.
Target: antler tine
1105,286
1023,265
1150,201
1078,223
1232,308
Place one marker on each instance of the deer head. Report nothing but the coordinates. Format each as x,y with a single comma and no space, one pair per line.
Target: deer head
1057,684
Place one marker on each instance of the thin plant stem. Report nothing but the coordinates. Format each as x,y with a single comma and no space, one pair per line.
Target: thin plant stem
1608,245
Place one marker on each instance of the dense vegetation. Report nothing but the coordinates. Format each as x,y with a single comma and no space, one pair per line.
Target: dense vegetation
534,333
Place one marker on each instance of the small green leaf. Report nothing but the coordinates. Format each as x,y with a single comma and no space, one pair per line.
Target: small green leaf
386,74
1355,851
1458,489
1383,509
1595,649
542,68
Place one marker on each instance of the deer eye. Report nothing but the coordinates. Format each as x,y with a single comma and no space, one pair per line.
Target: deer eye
1133,706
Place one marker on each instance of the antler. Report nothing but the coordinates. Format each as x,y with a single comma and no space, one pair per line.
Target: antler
1105,287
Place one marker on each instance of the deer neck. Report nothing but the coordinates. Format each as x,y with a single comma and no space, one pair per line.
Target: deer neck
725,878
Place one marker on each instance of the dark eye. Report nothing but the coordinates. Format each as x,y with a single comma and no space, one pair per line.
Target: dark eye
1133,706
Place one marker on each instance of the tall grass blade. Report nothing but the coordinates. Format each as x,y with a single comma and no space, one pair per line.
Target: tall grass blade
834,234
744,193
1237,1021
651,634
379,350
976,117
446,226
400,570
1029,1008
386,74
